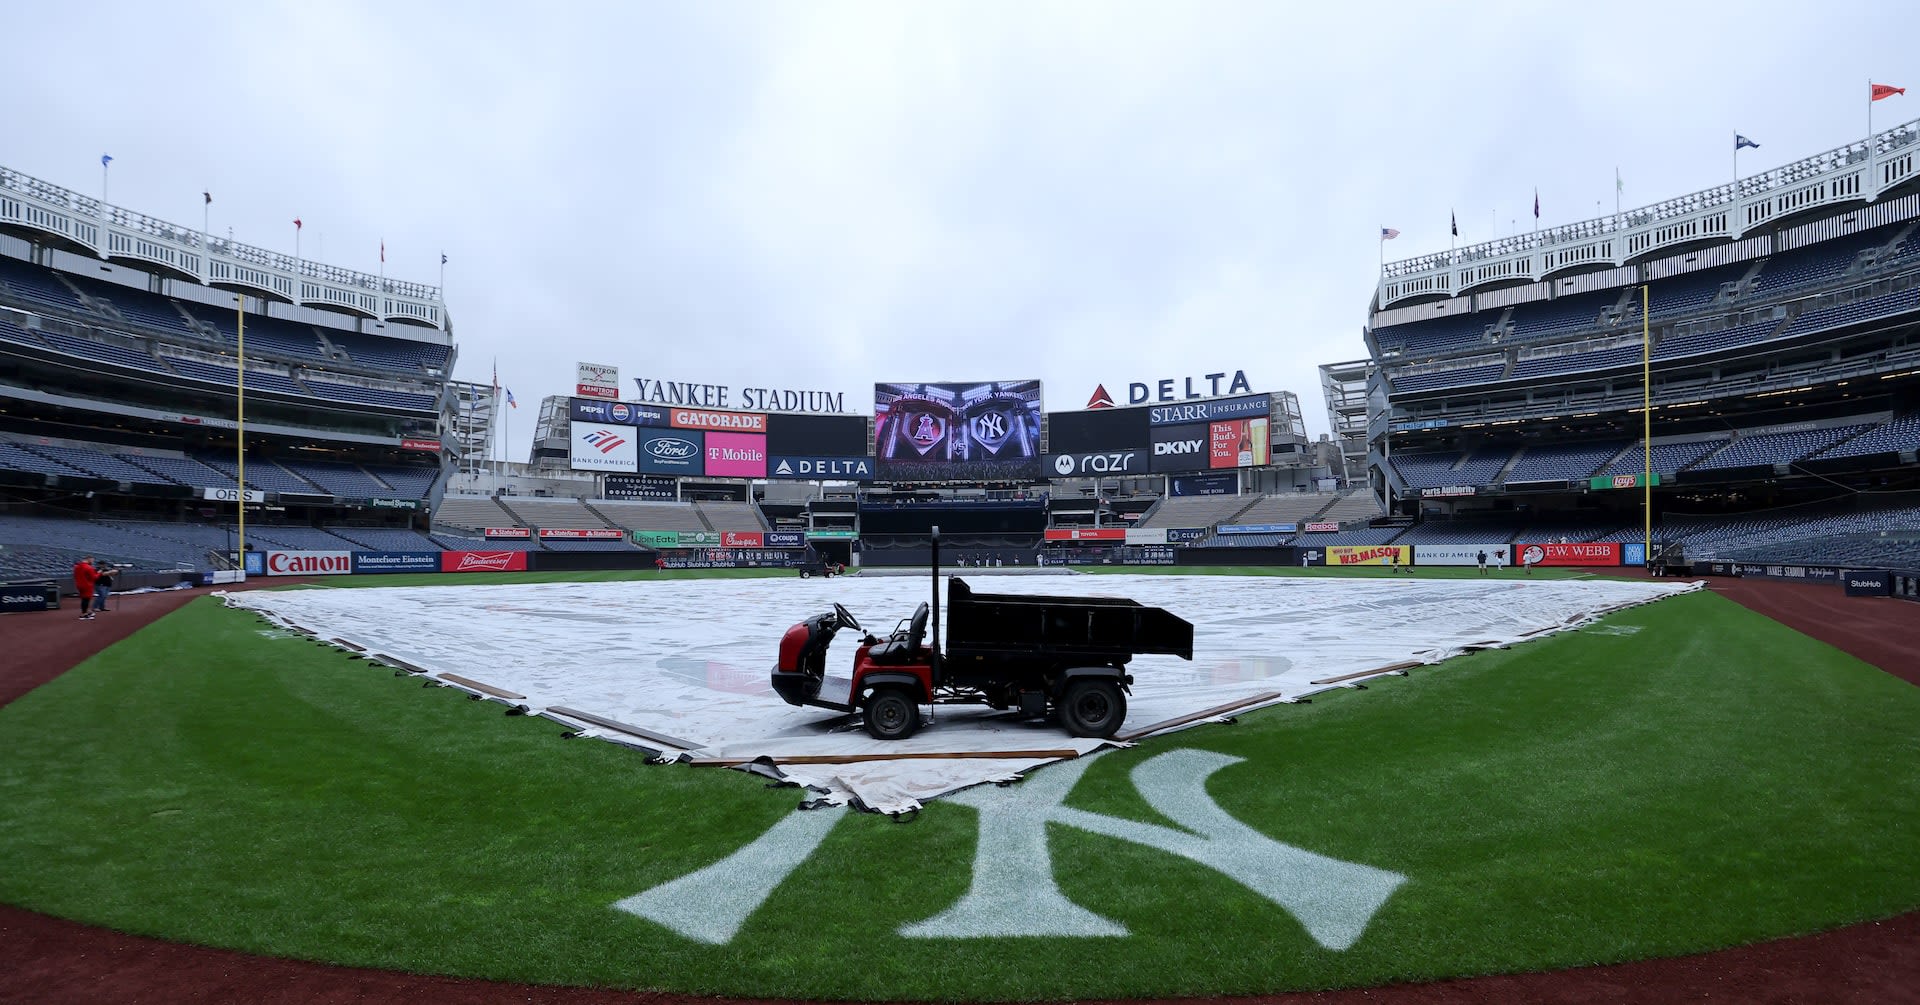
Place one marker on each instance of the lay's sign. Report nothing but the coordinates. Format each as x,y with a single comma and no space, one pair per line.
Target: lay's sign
1371,554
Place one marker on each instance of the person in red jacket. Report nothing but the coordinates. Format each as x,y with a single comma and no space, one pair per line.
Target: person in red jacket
84,580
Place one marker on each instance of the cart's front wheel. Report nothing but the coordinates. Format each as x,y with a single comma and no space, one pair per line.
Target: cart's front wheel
1093,707
892,714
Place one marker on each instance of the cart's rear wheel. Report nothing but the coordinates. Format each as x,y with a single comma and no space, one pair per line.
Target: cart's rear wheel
891,714
1093,707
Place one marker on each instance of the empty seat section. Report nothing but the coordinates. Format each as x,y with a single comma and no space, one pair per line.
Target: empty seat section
1437,336
1775,448
473,513
1569,461
367,395
636,515
105,352
1449,378
1668,457
1893,436
102,464
261,473
1540,366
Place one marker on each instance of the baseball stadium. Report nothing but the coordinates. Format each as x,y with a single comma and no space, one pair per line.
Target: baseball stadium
1577,662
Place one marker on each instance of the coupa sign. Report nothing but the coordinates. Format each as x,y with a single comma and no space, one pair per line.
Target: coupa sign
309,563
1013,893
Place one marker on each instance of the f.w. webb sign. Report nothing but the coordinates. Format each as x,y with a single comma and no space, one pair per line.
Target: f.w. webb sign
1013,892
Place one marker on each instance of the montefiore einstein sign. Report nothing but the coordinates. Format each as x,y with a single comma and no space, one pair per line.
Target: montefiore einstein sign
749,399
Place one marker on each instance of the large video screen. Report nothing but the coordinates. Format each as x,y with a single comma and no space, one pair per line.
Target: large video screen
985,431
817,435
1097,429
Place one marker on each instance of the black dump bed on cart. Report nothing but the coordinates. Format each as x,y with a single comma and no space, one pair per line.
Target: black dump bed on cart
1106,629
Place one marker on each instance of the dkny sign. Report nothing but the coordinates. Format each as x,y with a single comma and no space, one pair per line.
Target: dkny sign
1013,892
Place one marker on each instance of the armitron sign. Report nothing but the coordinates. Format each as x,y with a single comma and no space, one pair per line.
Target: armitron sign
309,563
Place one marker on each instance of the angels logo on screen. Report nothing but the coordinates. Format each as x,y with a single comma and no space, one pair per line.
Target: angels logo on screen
928,432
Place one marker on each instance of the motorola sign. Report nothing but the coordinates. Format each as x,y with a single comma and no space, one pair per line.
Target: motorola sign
1110,462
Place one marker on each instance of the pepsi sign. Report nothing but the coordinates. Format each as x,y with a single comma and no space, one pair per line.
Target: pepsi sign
623,413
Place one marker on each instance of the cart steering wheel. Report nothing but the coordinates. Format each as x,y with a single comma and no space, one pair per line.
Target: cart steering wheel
846,617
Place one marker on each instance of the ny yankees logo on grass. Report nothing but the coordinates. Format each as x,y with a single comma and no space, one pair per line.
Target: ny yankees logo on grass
1013,892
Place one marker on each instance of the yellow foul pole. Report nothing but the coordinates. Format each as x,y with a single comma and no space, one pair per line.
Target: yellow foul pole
1646,418
240,468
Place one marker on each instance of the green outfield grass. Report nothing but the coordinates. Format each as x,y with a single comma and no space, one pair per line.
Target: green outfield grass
1685,776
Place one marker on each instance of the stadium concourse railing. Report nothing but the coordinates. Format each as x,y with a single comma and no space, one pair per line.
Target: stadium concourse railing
1860,171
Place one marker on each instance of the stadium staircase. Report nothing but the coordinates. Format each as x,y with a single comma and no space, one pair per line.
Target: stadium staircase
1500,476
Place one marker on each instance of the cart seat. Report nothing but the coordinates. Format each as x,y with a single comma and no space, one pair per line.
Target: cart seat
898,650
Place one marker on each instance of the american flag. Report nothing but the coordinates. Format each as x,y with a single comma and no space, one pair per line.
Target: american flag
1388,233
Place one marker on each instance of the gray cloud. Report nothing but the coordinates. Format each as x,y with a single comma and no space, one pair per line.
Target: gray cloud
825,195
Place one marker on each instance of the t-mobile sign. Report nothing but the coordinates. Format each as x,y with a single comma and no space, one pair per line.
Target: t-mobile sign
737,455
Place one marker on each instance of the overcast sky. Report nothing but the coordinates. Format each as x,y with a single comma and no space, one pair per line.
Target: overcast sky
823,195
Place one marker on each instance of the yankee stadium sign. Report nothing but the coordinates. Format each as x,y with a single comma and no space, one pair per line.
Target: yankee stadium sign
751,399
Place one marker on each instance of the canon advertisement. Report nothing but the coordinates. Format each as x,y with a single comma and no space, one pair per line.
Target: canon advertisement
944,432
309,563
622,413
1179,448
598,447
1107,462
736,455
672,452
847,469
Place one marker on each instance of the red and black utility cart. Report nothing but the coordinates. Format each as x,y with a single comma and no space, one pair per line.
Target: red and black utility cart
1038,655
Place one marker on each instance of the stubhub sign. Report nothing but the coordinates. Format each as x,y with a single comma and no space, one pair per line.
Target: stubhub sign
853,469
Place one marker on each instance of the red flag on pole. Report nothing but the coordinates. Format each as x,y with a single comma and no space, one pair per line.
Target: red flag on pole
296,223
383,249
1884,91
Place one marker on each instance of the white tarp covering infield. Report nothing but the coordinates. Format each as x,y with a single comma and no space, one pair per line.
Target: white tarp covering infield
689,659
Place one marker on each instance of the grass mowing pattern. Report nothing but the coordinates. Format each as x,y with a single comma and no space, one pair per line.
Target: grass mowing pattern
1712,779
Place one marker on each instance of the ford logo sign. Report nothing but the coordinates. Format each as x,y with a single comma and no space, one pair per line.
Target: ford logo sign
671,450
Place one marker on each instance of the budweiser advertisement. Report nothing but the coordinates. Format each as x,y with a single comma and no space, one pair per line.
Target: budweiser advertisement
429,446
483,561
309,563
1583,553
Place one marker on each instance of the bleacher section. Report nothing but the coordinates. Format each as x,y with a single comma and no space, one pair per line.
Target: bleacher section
103,352
1818,263
569,513
320,388
731,515
1427,470
1450,378
385,538
408,483
472,513
15,457
1540,366
95,463
1842,315
1196,511
1356,505
635,515
1297,507
339,479
262,537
